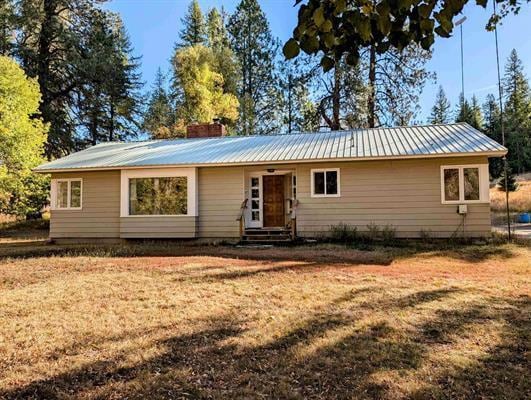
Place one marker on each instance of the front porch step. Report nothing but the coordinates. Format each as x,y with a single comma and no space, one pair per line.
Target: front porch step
262,236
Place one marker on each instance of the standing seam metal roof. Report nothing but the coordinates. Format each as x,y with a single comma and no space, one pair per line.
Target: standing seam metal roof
377,143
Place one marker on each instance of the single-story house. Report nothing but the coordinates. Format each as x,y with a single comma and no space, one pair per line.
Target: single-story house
416,179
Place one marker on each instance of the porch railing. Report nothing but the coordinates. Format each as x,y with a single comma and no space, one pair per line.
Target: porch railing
241,217
294,205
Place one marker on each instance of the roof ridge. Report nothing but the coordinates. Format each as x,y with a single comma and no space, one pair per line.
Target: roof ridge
352,130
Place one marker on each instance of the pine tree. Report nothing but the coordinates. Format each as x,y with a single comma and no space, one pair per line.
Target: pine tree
158,117
517,114
492,128
512,185
194,31
476,116
109,101
219,42
464,111
7,27
256,50
440,112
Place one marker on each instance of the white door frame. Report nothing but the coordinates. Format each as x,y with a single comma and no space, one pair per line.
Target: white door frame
249,223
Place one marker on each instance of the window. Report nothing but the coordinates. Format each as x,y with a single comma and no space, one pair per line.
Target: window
66,194
325,182
465,184
158,196
255,198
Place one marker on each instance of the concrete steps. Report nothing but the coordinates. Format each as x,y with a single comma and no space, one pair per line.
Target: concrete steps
266,236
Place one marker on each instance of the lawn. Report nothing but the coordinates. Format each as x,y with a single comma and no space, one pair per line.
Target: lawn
174,321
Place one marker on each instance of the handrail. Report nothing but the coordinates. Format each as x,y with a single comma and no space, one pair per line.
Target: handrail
241,217
242,210
294,205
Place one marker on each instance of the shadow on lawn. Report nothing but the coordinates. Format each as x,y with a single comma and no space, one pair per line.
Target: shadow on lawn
317,256
206,364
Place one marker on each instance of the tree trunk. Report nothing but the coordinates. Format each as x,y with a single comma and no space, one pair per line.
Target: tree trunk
371,101
43,66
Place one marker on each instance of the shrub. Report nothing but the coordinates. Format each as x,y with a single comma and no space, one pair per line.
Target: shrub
373,231
343,233
388,233
425,235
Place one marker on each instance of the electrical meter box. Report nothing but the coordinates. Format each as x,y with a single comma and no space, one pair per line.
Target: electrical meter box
462,209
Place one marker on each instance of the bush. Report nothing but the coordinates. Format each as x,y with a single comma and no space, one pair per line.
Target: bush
388,233
373,231
343,233
425,235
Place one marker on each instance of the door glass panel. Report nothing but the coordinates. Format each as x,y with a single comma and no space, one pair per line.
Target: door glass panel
471,176
255,204
255,193
255,215
255,182
451,184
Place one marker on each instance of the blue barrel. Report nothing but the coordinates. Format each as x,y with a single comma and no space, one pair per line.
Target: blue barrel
524,218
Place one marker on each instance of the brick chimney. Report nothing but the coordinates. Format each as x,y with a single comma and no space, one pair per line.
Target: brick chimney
214,129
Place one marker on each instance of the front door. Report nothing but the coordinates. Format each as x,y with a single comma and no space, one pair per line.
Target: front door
273,187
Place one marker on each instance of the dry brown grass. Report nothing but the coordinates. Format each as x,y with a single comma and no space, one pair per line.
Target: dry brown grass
519,201
307,322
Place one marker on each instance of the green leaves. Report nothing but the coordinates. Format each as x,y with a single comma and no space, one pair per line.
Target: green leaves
343,27
291,49
327,63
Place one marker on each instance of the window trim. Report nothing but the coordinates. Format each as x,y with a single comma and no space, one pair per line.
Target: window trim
325,170
191,184
484,195
53,194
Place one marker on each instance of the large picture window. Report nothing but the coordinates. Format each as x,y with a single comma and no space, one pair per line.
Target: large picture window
66,194
464,184
158,196
325,182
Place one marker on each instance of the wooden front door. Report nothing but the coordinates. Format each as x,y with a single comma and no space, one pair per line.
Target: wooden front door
273,187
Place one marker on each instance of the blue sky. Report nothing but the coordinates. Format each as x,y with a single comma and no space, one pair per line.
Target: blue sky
154,27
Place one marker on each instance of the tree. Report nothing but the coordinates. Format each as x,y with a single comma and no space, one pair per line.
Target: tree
219,42
464,111
158,117
194,31
517,114
338,28
492,128
476,115
298,110
48,43
440,112
395,81
203,98
256,50
109,100
22,134
512,185
7,27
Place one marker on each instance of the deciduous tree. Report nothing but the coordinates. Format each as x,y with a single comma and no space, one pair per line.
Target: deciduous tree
22,135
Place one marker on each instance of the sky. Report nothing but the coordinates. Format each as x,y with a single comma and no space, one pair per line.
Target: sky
154,26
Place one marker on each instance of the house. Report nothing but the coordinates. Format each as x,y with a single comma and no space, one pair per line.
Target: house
422,178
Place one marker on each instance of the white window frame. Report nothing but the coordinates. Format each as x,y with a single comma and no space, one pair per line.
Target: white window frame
53,194
325,170
191,186
484,195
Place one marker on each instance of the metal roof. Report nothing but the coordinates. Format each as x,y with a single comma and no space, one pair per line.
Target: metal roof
360,144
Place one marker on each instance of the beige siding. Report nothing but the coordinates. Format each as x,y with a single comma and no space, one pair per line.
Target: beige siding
405,194
158,227
100,216
220,197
